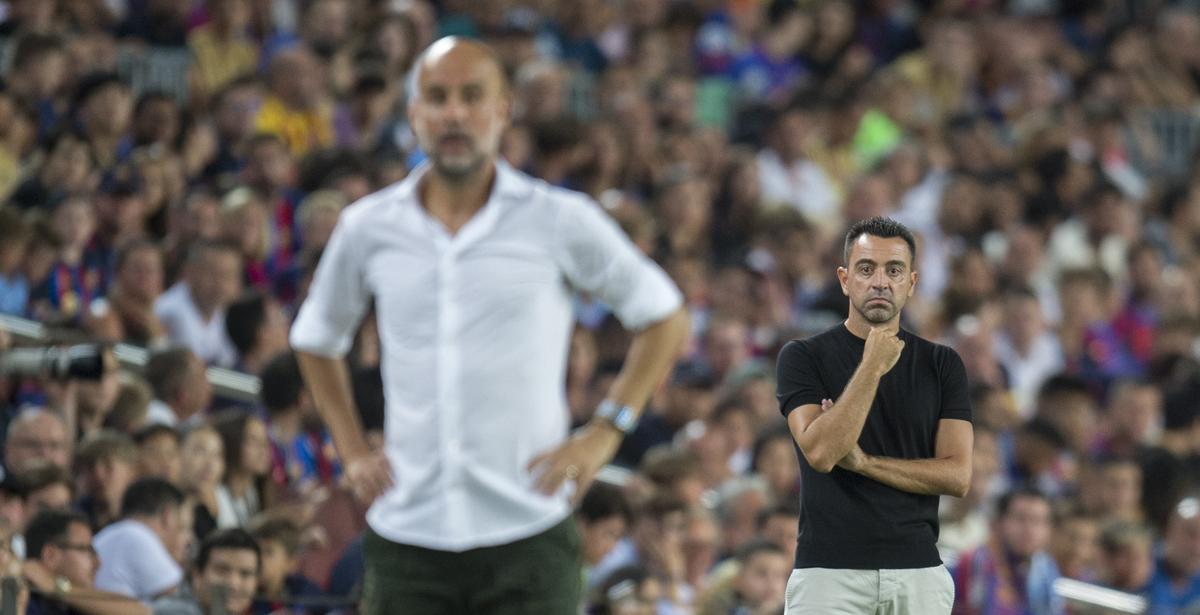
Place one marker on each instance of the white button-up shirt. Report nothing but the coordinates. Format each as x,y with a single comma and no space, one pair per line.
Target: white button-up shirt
186,326
475,329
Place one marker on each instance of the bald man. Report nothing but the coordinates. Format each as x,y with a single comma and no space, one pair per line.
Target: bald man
36,437
472,267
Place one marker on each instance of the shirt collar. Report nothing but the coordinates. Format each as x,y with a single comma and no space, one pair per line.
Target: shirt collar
509,182
509,187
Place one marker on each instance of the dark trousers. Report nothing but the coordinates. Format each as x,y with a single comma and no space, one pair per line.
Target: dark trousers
539,575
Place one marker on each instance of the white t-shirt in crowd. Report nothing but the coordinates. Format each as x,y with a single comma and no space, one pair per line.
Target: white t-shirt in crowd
186,326
134,562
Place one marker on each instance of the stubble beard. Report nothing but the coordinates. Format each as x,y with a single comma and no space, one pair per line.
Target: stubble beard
878,315
461,172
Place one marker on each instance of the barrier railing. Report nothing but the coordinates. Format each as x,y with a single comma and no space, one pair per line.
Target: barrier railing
226,383
1088,599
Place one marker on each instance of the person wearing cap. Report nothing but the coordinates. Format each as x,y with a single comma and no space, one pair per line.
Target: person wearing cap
471,266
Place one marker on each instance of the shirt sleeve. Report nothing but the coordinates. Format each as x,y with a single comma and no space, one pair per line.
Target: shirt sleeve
337,297
139,568
956,399
797,382
598,258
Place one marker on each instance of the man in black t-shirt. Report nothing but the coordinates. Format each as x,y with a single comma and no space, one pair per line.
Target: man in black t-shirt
883,421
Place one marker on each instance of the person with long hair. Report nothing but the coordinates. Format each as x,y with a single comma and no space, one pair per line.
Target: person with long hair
242,493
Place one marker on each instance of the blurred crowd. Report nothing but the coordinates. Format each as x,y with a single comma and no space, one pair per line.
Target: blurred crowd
171,169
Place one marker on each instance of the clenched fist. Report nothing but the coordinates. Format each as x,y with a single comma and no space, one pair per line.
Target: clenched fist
883,350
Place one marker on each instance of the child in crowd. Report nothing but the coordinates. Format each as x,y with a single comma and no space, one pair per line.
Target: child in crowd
279,580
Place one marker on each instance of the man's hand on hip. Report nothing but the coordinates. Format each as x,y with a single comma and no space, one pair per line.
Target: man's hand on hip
369,475
577,459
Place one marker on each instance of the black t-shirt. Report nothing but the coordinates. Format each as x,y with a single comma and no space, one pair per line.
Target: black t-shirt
848,520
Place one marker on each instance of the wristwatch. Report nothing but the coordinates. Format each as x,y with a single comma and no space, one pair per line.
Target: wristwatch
623,418
62,585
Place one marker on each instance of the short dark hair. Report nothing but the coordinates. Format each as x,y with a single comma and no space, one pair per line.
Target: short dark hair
33,46
12,225
1004,504
104,445
229,538
282,530
244,318
880,227
198,250
150,97
48,527
150,496
282,383
135,245
783,509
604,501
1060,385
660,505
167,372
154,430
1044,430
766,436
754,547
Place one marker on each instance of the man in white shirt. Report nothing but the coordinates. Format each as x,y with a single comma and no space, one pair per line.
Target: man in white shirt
471,266
140,555
193,309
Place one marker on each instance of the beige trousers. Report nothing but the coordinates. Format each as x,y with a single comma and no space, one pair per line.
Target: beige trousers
829,591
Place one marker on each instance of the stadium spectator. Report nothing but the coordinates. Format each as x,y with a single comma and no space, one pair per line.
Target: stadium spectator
1127,557
228,563
279,580
257,327
159,453
201,468
655,543
107,464
61,566
1013,571
193,309
1175,585
181,388
244,488
756,588
603,517
48,488
36,436
140,555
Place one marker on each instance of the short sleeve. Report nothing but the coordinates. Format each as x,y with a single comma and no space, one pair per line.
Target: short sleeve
337,297
956,399
134,563
797,381
598,258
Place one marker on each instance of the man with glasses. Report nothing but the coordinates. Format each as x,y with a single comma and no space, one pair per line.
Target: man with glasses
61,567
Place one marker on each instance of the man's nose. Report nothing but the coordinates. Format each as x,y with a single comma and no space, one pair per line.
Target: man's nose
455,109
879,280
